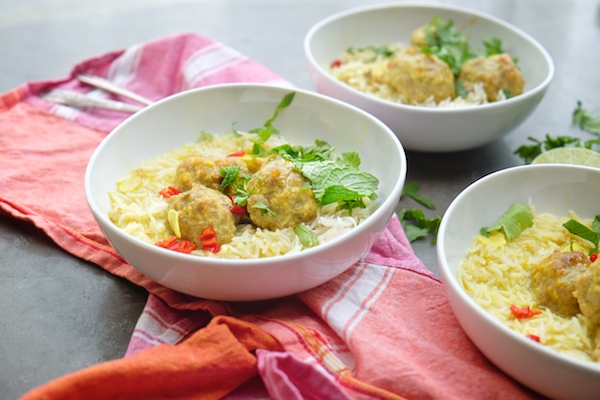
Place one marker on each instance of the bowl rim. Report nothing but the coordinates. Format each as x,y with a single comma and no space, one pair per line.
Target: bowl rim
265,262
531,93
451,283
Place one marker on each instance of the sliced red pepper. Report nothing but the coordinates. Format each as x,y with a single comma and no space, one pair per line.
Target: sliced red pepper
336,63
593,257
535,338
169,191
180,245
238,210
208,238
239,153
523,312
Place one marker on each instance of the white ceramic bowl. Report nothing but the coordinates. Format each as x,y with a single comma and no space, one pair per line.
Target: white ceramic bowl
177,120
421,128
556,189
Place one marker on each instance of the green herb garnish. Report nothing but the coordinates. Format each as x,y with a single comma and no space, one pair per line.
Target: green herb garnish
306,236
591,235
229,175
416,225
586,120
265,132
447,43
512,223
412,190
339,180
262,206
583,118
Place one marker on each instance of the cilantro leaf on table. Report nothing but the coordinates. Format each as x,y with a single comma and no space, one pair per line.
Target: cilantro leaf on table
581,117
416,225
512,222
586,120
414,222
529,152
412,190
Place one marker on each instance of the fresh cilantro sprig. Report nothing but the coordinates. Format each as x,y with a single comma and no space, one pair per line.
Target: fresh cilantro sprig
517,218
446,42
416,225
319,152
230,175
414,222
265,132
591,235
412,190
586,119
381,51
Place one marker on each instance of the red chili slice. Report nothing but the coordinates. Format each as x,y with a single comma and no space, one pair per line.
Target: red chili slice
238,210
593,257
523,312
239,153
180,245
208,238
169,191
336,63
535,338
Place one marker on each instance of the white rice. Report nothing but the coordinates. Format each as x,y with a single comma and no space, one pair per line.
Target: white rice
139,209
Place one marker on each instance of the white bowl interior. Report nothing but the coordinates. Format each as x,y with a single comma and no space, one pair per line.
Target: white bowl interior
555,189
181,118
421,128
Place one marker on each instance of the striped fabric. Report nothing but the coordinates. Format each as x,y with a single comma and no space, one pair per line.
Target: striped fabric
381,330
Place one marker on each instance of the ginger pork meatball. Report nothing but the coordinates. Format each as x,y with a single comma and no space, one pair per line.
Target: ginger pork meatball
279,197
201,207
417,76
588,293
553,281
205,171
496,72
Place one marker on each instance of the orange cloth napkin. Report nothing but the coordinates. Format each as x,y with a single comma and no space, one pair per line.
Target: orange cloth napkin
208,365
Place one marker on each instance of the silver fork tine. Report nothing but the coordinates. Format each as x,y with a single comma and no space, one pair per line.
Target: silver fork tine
111,87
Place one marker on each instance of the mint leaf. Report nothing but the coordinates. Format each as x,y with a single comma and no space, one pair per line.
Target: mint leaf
337,180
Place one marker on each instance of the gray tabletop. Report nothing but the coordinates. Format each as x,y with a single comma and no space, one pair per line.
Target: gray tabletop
60,314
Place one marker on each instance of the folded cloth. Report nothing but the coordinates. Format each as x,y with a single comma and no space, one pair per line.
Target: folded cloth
381,330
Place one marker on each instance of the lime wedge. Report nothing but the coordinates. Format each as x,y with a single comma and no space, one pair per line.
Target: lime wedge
569,155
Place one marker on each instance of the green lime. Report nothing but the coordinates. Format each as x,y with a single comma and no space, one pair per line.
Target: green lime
569,155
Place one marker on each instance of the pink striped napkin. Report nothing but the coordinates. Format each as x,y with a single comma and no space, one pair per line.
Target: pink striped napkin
381,330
